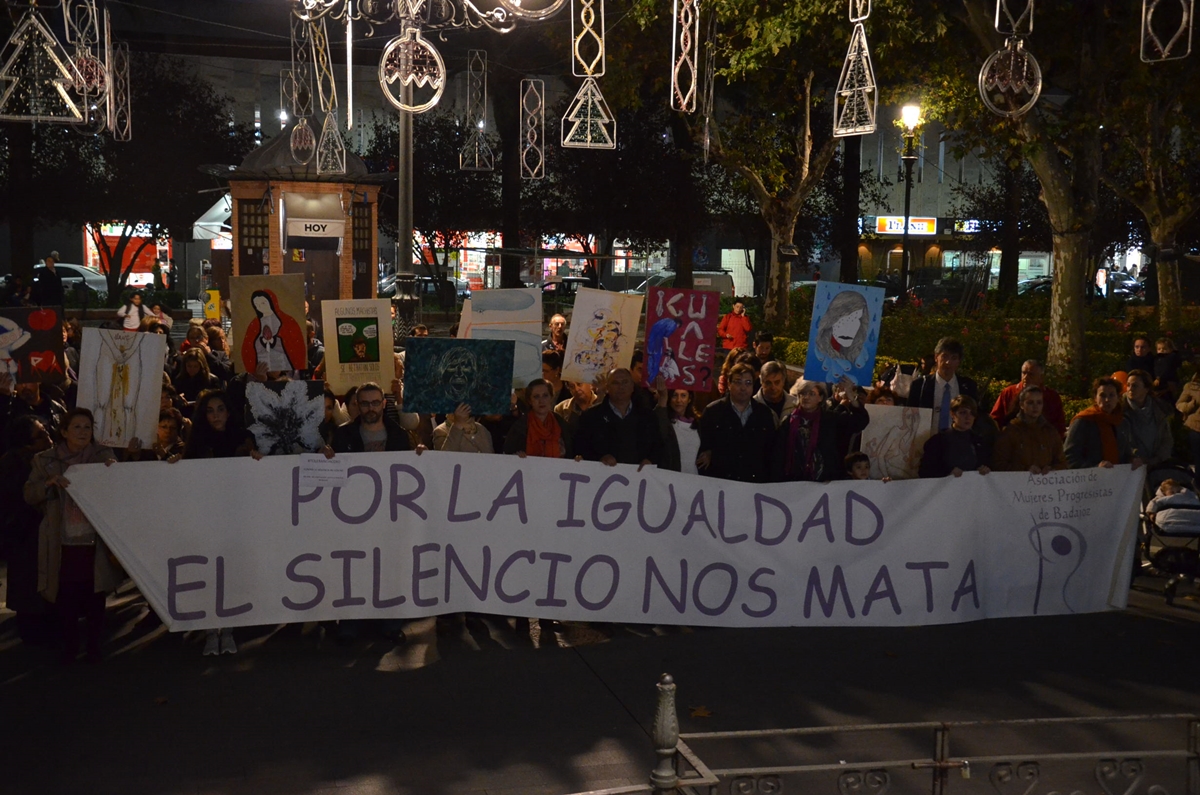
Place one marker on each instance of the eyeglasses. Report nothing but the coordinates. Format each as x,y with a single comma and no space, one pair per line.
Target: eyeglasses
370,404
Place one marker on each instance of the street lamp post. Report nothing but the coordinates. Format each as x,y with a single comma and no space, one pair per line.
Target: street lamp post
910,117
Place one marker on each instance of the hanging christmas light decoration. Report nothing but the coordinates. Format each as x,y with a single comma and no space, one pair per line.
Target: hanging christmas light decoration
685,42
475,154
1167,29
38,74
533,129
856,100
1010,81
588,123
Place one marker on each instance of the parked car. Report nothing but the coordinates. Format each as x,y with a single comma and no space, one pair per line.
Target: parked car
72,277
564,289
720,281
1039,286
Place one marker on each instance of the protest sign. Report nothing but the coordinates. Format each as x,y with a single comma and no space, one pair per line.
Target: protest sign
603,334
120,382
510,314
411,536
267,323
680,328
895,439
358,343
31,344
844,333
440,373
286,416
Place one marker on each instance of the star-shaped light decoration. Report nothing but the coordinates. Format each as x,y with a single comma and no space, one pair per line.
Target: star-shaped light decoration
285,421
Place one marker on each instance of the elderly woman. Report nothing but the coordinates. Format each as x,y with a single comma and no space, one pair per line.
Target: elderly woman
1099,435
75,569
808,443
1029,443
540,432
1148,418
460,433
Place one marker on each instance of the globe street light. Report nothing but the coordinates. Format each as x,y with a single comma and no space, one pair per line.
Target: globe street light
910,117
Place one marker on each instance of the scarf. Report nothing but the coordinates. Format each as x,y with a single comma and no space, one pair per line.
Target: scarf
543,436
804,428
1107,424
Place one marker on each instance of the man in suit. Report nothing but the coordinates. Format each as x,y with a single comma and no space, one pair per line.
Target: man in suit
936,390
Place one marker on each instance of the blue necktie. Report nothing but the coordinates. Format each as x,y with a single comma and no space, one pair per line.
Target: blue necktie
944,414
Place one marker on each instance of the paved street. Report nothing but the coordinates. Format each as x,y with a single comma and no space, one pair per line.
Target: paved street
484,708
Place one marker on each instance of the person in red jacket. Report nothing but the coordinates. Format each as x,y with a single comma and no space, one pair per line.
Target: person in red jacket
734,328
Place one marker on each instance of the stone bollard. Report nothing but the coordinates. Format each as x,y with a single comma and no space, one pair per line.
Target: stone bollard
666,734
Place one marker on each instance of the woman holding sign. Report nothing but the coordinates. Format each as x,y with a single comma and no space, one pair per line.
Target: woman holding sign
75,569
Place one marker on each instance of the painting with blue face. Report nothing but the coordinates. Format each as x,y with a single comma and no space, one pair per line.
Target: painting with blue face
844,334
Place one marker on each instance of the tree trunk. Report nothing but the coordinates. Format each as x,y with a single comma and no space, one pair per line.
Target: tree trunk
779,275
1170,292
21,220
848,223
1067,352
1010,249
685,244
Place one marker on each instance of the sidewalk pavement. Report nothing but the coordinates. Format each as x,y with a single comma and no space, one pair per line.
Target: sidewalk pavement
484,709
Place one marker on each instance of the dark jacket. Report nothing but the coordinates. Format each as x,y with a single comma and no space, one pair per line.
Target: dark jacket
630,439
837,426
348,438
1084,448
923,389
514,440
47,288
669,457
739,452
934,463
50,412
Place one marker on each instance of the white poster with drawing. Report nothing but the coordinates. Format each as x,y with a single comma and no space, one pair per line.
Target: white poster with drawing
894,440
510,314
120,382
603,333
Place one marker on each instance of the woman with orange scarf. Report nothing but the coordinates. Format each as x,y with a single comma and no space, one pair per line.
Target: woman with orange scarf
540,432
1099,435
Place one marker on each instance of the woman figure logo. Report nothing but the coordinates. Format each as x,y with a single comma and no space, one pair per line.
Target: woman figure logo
842,334
1060,549
272,337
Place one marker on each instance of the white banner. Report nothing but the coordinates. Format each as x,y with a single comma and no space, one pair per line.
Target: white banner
416,536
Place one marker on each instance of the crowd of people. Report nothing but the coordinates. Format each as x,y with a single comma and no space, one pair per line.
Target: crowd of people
759,424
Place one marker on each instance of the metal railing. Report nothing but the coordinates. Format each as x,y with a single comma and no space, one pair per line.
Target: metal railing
1109,755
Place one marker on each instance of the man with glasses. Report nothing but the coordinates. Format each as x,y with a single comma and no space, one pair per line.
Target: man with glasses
1032,374
372,431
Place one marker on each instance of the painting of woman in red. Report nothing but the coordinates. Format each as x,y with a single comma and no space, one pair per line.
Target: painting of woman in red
273,337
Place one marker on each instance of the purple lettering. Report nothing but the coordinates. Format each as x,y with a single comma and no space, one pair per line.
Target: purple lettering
304,579
574,479
815,520
759,501
614,577
451,516
729,594
174,587
621,507
966,586
925,568
523,554
641,512
652,572
881,588
419,574
408,500
698,513
453,561
377,566
853,497
348,556
549,600
772,600
516,484
336,502
836,585
298,498
223,611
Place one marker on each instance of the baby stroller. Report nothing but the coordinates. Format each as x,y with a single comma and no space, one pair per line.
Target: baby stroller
1170,532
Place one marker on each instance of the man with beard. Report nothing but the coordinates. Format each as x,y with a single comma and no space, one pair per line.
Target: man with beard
371,431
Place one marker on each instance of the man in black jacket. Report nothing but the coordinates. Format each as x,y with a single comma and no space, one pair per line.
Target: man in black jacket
617,430
17,400
736,432
936,390
372,431
47,284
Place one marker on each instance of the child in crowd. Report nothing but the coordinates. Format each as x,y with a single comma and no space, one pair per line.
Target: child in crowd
1174,507
858,467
